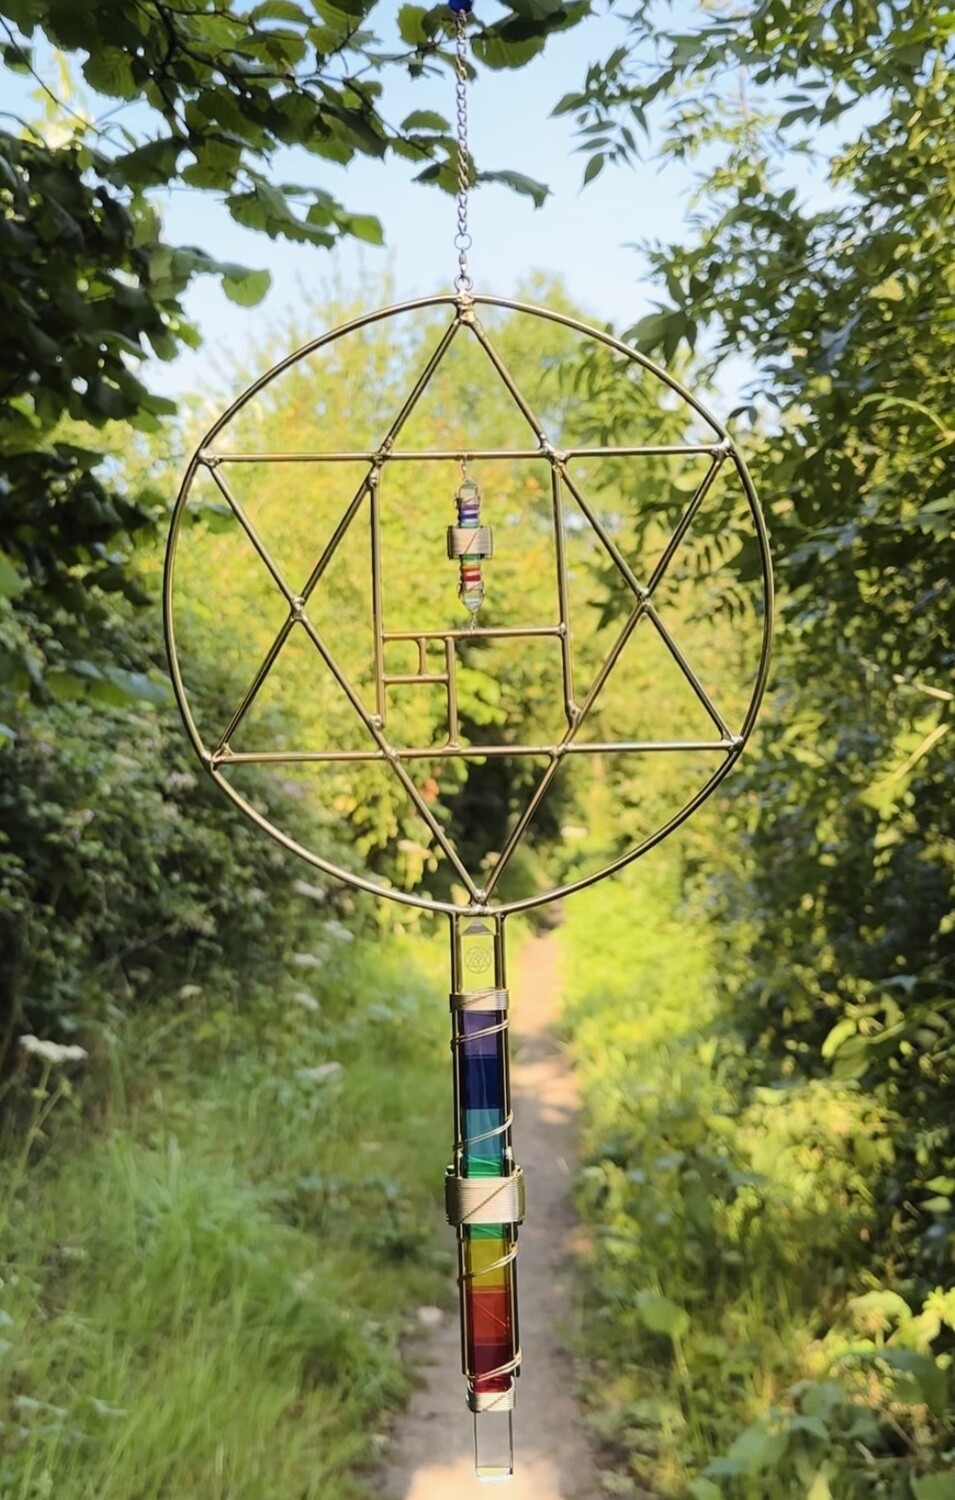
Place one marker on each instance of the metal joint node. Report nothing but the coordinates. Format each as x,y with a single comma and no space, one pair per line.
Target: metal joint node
210,459
723,448
297,607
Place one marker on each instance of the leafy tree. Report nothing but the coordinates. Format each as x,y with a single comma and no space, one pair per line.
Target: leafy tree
90,287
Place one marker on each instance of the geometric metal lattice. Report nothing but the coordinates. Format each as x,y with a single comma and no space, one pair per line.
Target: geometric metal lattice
484,1184
479,889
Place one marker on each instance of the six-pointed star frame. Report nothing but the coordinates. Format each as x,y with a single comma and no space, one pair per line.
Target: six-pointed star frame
367,500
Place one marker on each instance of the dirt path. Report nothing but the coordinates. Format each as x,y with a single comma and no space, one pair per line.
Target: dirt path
432,1456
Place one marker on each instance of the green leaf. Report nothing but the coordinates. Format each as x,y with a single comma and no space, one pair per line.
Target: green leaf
594,167
109,71
934,1487
538,191
661,1315
495,52
411,25
246,288
365,227
756,1449
704,1489
279,10
18,59
12,583
425,119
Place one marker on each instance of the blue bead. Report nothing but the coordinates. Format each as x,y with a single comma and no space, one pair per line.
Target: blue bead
461,5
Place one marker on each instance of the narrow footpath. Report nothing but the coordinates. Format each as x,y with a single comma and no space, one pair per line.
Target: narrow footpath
432,1453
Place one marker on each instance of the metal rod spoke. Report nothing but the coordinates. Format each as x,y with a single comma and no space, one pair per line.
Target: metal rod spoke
411,402
688,672
257,681
471,752
609,544
252,534
377,617
481,335
686,520
335,539
610,661
447,848
474,633
566,639
447,455
451,665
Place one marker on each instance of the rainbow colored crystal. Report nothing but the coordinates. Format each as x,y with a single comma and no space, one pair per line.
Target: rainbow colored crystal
488,1281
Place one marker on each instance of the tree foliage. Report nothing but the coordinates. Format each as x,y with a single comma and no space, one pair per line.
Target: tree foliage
193,95
208,98
820,254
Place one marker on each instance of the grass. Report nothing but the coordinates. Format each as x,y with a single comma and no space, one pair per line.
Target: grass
206,1276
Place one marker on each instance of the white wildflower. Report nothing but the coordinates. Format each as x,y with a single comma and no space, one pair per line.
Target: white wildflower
313,892
307,960
338,930
180,781
52,1052
319,1074
306,1001
190,992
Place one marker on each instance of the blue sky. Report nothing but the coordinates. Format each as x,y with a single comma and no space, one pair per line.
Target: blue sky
584,236
579,235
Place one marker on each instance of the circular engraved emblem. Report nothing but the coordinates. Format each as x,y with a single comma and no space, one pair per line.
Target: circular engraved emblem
478,960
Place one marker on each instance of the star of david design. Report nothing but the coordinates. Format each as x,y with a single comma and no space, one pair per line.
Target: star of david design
366,501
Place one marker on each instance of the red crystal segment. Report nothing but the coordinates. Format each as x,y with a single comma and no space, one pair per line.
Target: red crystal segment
490,1336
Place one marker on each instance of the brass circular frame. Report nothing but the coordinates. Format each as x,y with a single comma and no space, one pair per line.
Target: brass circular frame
464,302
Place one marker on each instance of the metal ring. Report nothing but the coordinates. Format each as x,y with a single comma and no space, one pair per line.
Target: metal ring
462,305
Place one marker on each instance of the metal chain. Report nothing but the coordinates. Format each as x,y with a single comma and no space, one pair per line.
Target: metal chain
462,240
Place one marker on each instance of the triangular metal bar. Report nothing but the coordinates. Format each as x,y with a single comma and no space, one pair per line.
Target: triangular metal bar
250,531
507,378
687,671
686,520
609,545
419,386
391,756
368,485
566,639
667,556
642,607
610,661
441,455
252,691
271,655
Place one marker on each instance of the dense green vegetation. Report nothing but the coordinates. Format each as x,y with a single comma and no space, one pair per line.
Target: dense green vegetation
748,1335
772,1161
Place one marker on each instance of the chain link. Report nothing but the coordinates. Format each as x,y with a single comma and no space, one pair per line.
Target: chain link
462,240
